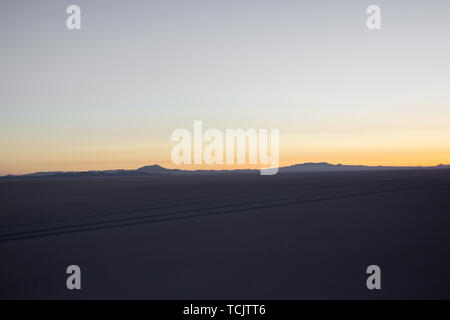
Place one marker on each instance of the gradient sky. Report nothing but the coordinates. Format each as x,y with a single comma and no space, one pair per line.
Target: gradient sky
109,96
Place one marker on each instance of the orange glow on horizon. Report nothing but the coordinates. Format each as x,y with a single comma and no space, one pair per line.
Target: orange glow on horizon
369,158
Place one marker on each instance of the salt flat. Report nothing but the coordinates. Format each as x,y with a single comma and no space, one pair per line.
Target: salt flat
234,236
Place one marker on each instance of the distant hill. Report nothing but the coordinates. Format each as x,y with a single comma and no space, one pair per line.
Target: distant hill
158,170
324,166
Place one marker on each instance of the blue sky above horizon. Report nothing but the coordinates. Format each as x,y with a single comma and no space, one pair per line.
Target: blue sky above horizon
109,95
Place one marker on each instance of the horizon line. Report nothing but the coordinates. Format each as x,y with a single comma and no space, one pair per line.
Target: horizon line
235,169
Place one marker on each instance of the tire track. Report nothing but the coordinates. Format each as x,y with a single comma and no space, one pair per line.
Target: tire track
184,214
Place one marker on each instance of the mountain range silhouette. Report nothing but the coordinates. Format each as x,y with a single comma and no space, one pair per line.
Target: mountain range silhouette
158,170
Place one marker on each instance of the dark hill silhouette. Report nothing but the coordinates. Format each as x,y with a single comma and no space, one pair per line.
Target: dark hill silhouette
325,166
158,170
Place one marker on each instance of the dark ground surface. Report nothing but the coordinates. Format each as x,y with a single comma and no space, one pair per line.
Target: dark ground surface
290,236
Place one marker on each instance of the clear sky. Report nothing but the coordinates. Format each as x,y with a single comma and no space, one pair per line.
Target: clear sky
109,95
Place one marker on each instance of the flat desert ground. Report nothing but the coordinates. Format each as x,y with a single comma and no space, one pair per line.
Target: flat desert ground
227,236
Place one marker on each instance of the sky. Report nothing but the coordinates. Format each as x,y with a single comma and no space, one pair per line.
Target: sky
109,96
